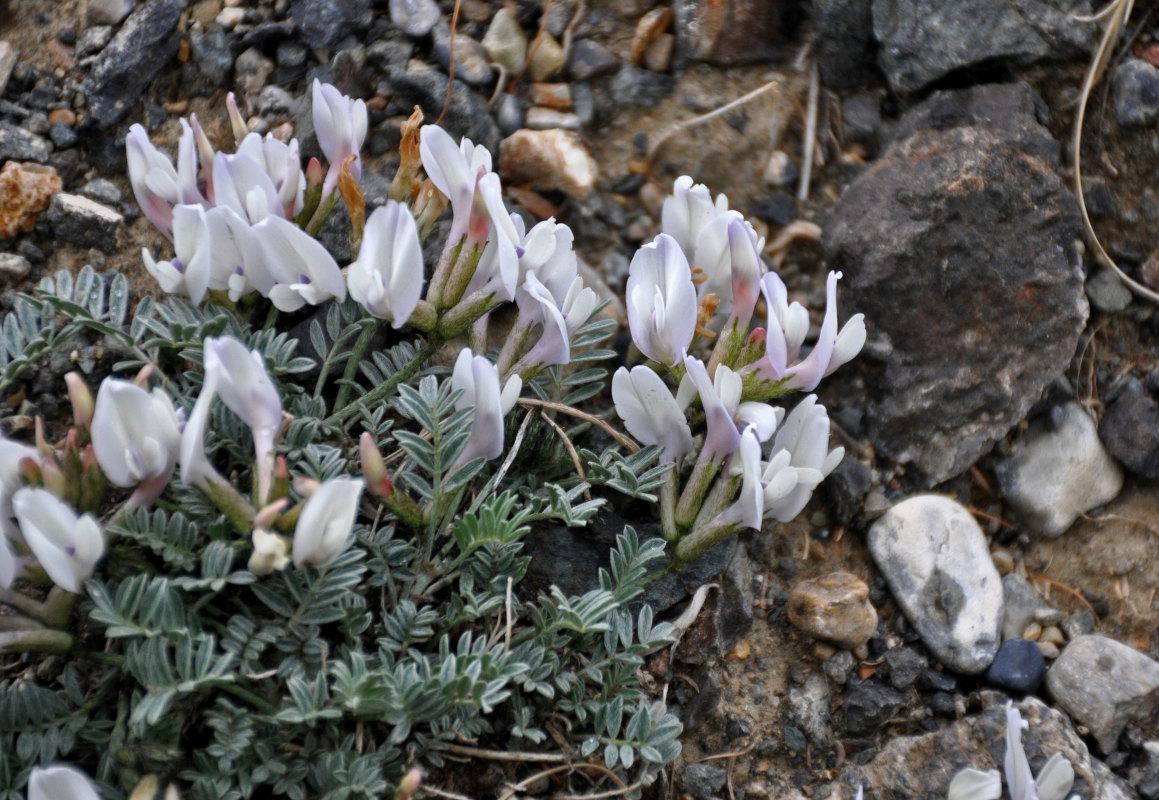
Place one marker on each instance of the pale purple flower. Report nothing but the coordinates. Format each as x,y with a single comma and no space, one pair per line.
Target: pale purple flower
68,547
661,301
725,414
242,183
189,272
728,256
135,433
478,380
326,520
548,253
195,467
236,264
387,276
560,318
302,268
340,123
749,507
687,211
650,412
60,782
152,177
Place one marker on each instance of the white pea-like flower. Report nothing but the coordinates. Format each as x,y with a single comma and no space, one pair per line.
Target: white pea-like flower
726,416
68,547
60,782
302,268
799,461
326,521
189,272
650,412
478,380
340,123
456,170
661,301
387,276
135,434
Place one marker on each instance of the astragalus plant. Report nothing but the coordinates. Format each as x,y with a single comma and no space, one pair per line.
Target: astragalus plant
259,567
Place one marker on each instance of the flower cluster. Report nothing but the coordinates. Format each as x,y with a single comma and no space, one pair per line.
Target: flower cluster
699,280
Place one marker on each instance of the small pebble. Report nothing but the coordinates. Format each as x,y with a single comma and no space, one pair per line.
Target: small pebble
415,18
1032,631
472,64
648,28
251,69
658,56
546,57
1003,561
62,116
780,170
1106,292
13,268
590,60
1053,635
1049,650
1018,666
544,118
548,160
551,95
230,18
834,607
1135,93
505,41
1078,624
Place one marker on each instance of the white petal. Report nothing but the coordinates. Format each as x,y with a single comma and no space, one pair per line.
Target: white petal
60,782
326,520
649,411
973,784
1056,778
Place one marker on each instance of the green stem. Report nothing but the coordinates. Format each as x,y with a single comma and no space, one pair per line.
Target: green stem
389,385
668,507
244,694
352,363
35,641
323,211
442,272
693,495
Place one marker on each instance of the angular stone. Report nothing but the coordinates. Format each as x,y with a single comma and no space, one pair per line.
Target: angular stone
641,87
727,31
212,54
251,70
551,160
1135,93
1060,472
870,705
846,52
13,268
934,557
1021,605
1104,684
835,607
546,57
140,49
589,60
325,23
18,144
962,359
923,766
78,220
25,191
471,61
808,709
542,119
8,57
921,41
1130,430
466,116
505,41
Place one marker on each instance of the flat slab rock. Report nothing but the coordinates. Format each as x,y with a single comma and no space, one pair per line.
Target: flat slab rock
1104,684
958,245
935,559
923,766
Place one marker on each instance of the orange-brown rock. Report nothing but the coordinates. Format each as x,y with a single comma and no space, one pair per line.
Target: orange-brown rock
650,26
834,607
551,159
25,190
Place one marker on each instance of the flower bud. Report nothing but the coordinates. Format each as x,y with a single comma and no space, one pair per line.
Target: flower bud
236,121
265,518
373,467
409,784
326,521
81,399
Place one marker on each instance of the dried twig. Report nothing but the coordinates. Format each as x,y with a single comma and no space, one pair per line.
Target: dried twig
529,402
575,459
508,755
810,132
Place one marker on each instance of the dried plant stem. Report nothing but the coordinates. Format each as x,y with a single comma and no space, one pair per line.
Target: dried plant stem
451,62
810,143
575,459
508,755
529,402
1116,13
729,106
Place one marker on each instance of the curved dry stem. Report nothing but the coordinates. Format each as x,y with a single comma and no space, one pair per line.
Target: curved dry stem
1117,12
529,402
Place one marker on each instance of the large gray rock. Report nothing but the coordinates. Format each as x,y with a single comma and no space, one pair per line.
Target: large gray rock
934,557
958,244
923,766
1059,471
924,40
1104,684
142,47
844,43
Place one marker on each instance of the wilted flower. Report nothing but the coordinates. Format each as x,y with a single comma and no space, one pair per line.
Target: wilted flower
340,123
661,301
67,547
650,412
325,522
60,782
135,434
387,276
188,272
271,552
478,380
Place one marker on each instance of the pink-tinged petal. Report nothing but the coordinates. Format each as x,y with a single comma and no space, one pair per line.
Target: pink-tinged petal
746,270
451,173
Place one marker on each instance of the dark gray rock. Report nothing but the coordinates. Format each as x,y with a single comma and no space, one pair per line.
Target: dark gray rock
570,558
141,48
861,118
1104,684
18,144
1018,667
923,766
1021,605
93,39
727,31
509,114
846,52
845,488
922,41
1077,624
703,780
103,191
870,705
589,60
63,136
324,23
212,54
78,220
1135,93
1130,431
291,54
961,359
467,114
640,87
414,17
905,666
838,666
387,53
